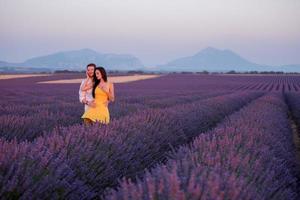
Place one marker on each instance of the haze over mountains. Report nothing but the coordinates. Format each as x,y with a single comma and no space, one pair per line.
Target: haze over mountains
209,59
78,59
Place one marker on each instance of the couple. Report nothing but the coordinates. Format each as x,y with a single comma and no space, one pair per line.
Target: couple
95,93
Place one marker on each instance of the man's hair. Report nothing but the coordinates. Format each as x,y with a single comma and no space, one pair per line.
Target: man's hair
91,65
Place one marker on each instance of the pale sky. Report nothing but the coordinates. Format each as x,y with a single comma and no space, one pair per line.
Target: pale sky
155,31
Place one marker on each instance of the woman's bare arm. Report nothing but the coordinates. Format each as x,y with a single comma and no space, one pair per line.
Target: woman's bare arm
109,90
111,95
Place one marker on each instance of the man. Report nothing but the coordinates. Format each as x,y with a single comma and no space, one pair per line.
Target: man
86,87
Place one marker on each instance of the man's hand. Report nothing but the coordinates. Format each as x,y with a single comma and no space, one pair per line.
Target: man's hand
84,101
92,104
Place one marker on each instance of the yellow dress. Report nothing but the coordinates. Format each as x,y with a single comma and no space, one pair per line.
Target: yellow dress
100,111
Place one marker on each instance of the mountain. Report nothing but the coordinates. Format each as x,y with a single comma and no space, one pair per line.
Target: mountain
209,59
78,59
6,64
212,59
12,69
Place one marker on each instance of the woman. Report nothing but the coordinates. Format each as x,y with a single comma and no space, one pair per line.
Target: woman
102,92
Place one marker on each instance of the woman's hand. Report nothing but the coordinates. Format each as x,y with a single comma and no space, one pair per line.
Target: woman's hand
108,88
104,87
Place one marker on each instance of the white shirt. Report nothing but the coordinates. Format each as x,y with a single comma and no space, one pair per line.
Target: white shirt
85,94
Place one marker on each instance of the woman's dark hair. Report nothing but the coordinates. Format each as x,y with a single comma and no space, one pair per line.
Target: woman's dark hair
96,81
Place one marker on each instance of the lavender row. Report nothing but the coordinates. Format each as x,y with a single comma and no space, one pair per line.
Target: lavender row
164,84
89,159
33,124
293,100
26,122
271,83
30,103
132,105
250,155
140,141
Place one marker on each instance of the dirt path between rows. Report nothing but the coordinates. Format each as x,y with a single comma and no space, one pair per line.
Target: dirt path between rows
113,79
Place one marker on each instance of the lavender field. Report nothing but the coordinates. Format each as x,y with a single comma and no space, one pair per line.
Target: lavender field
178,136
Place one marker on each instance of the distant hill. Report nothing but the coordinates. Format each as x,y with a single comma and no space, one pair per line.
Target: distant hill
6,64
24,70
209,59
212,59
78,59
